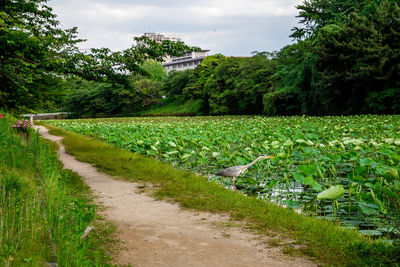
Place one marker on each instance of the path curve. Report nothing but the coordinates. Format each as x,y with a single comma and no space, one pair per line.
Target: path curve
158,233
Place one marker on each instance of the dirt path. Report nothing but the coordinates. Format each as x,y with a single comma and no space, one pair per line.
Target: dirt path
158,233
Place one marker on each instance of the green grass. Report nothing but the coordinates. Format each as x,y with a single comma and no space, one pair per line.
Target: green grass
21,232
38,197
324,241
174,108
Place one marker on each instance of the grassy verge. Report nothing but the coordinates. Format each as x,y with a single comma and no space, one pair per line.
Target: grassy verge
322,240
44,209
174,108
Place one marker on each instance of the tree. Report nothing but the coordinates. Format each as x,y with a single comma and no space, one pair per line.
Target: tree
176,82
89,98
315,14
147,91
210,81
253,81
346,64
229,85
154,70
358,67
102,99
33,47
291,91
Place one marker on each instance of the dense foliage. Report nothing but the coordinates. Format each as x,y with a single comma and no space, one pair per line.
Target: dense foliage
36,55
231,85
349,64
358,155
345,61
90,98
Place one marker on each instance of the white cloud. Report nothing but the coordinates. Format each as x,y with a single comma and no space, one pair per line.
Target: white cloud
228,8
106,12
234,27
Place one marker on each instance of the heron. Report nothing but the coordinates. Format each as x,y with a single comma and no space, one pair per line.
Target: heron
235,171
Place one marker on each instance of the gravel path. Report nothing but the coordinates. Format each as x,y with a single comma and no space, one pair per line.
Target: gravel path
159,233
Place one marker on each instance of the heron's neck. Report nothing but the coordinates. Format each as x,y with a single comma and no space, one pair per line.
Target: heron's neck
251,163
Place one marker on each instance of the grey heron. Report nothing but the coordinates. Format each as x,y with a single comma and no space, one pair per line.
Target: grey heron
235,171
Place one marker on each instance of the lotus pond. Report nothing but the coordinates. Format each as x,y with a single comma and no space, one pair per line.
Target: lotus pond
344,169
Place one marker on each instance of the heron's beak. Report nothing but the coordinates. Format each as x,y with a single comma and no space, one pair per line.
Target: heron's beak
270,157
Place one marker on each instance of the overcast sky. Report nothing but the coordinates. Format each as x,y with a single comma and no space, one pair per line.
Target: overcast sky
230,27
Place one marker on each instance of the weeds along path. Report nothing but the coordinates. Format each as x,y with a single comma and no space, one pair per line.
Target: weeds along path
158,233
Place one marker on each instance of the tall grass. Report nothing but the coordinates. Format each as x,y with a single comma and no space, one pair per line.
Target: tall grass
43,209
21,235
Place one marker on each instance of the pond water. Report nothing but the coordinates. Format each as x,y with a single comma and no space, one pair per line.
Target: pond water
302,199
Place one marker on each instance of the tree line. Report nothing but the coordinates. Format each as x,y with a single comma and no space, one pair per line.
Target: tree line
37,58
345,60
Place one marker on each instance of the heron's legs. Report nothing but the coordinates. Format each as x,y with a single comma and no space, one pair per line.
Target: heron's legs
233,183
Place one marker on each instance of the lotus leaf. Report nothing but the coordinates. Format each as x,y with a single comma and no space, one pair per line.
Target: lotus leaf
332,193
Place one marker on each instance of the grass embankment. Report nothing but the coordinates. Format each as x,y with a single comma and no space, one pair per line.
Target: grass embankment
174,108
322,240
44,209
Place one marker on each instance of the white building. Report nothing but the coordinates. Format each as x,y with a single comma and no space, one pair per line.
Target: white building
188,61
160,37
